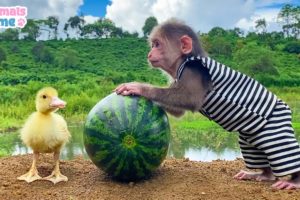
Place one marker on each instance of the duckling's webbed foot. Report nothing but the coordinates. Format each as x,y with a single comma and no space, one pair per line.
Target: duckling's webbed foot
56,176
33,173
30,176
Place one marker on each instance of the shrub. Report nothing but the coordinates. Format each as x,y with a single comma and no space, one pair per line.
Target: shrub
2,55
292,47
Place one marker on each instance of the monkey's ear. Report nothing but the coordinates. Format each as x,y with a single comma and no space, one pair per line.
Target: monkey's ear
186,44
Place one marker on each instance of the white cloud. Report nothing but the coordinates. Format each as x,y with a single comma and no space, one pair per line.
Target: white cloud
202,15
130,14
270,15
89,19
41,9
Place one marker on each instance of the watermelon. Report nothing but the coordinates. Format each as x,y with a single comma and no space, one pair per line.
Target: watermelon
127,136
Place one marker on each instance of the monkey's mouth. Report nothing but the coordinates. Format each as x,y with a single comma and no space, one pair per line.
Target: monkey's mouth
154,63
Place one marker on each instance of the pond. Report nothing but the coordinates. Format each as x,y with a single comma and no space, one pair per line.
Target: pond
198,146
208,145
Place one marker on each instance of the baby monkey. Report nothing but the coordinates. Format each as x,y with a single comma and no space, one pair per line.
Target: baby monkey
233,100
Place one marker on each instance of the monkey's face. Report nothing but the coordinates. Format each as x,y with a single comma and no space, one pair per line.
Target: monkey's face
164,55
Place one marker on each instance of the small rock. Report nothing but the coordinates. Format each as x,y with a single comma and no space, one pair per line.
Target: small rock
131,184
5,184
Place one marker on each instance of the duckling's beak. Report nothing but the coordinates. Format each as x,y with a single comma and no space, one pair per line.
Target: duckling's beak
57,103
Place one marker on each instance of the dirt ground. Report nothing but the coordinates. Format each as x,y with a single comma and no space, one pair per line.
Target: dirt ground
175,179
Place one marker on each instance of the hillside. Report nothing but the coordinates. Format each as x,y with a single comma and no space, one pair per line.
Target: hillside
84,71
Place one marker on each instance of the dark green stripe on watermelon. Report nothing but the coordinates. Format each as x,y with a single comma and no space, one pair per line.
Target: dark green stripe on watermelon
127,136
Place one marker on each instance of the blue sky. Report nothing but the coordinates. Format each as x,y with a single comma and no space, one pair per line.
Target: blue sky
130,15
98,7
94,7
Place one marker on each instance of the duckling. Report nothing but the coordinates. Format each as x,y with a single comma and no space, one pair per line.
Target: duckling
45,132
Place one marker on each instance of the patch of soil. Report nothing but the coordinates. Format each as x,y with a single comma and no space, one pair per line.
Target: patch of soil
174,179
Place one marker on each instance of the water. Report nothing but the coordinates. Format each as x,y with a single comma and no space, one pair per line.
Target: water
200,146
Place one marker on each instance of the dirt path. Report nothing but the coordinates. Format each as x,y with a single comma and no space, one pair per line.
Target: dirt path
175,179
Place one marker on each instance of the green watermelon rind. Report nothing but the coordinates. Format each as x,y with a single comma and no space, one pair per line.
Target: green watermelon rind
106,127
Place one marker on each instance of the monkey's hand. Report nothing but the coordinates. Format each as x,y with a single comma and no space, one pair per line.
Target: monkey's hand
133,88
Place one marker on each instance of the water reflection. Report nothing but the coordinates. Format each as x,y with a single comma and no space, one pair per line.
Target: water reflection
196,145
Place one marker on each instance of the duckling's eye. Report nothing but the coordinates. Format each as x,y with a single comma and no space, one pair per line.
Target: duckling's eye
44,96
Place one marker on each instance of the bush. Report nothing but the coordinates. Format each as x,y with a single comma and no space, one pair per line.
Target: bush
254,61
69,59
2,55
41,53
292,47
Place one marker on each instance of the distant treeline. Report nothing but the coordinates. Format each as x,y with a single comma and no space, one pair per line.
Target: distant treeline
85,70
76,27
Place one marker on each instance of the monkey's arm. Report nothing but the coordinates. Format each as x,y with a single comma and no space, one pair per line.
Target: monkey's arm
172,110
187,94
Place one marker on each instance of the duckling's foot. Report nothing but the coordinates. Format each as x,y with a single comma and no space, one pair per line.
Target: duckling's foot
30,176
56,177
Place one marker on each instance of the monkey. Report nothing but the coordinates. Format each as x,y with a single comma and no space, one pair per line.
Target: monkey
233,100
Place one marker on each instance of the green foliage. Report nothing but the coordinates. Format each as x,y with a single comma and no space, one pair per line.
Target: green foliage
41,53
150,23
217,32
86,70
254,60
10,34
32,30
221,46
2,55
69,59
289,17
83,72
292,47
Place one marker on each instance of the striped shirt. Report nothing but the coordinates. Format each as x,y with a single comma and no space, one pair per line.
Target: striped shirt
236,101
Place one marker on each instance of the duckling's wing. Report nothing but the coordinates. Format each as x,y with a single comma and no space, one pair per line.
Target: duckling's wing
62,128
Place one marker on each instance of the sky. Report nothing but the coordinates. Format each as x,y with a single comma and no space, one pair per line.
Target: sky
130,15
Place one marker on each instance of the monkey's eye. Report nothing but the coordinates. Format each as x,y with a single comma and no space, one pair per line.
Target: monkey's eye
155,44
44,96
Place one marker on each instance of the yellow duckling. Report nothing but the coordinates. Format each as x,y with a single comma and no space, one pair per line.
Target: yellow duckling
45,132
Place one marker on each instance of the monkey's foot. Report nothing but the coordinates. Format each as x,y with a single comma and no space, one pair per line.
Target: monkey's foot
30,176
293,183
258,176
56,177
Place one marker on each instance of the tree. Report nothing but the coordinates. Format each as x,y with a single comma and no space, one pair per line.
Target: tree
150,23
88,30
107,27
52,22
255,60
102,28
32,29
220,46
261,25
10,34
76,23
2,55
217,32
236,32
41,53
289,17
292,47
69,59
